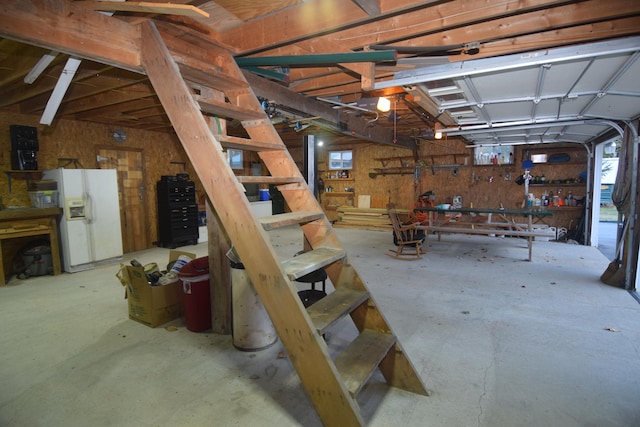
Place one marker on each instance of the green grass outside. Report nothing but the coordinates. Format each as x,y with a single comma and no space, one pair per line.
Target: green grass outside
608,213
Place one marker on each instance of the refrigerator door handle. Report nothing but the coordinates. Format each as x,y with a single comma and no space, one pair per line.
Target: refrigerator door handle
90,214
89,220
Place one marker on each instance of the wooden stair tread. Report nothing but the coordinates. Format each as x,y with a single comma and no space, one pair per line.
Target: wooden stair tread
289,218
248,144
270,179
205,76
310,261
335,306
225,109
362,357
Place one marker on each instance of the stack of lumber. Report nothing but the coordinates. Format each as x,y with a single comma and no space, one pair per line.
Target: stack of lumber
363,218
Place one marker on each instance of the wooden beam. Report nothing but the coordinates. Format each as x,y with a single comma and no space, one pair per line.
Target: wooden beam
611,29
556,18
65,27
349,124
18,61
110,106
144,7
220,274
462,21
509,32
304,21
85,87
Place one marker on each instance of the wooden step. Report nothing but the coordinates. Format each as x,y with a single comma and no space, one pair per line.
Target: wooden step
203,74
225,109
270,179
308,262
249,144
289,218
362,357
199,62
326,312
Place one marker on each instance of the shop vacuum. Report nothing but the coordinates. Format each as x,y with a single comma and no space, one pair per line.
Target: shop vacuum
36,260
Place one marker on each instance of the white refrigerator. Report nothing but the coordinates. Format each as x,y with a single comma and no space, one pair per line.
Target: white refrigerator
90,232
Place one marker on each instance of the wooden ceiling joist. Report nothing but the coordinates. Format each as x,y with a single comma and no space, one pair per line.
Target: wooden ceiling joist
279,28
144,7
343,122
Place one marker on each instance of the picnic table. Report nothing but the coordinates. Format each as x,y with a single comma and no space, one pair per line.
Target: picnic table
485,221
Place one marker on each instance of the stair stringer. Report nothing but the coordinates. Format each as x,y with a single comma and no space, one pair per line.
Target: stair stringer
306,348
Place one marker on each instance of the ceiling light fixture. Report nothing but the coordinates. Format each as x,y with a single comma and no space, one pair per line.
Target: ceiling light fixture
437,131
40,66
383,104
59,91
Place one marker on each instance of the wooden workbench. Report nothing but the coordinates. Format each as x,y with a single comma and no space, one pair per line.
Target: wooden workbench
27,222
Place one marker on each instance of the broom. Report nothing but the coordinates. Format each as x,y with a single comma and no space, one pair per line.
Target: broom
614,275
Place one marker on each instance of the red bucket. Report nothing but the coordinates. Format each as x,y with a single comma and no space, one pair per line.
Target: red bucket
194,277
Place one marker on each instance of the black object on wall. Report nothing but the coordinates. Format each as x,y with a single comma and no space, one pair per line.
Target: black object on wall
24,147
177,212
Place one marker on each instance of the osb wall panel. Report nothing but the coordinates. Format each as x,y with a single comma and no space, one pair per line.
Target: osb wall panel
162,155
488,186
397,189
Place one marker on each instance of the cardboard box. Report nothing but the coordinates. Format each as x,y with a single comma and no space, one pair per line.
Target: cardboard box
152,305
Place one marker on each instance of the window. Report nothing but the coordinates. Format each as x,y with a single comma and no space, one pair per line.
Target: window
234,157
500,155
340,160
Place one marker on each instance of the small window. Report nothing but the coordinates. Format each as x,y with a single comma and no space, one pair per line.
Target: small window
340,160
539,158
234,157
500,155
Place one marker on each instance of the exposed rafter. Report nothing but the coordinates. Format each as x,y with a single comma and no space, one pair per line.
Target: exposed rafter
144,7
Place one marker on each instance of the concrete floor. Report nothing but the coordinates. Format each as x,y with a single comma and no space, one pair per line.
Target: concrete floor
607,239
500,341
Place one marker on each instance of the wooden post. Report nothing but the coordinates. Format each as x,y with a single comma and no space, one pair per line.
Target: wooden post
219,275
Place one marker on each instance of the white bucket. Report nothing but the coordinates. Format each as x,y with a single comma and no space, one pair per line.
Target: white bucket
252,327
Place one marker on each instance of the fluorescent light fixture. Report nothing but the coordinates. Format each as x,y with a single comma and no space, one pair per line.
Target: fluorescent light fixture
59,91
40,66
444,90
384,104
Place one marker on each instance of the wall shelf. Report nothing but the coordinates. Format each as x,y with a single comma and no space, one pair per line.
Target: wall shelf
550,184
411,162
27,175
339,193
395,170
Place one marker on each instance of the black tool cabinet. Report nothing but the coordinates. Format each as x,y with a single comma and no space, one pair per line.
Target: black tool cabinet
177,212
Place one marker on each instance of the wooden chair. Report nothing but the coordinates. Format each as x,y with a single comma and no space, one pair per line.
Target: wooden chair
407,237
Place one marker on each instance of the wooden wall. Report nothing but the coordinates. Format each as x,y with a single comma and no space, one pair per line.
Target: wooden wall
162,154
487,186
397,189
482,185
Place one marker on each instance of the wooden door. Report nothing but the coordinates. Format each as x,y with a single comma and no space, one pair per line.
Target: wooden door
131,191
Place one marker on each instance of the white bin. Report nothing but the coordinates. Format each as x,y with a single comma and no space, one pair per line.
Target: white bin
252,327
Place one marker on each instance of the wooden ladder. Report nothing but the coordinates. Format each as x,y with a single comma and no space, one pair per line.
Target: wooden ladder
190,84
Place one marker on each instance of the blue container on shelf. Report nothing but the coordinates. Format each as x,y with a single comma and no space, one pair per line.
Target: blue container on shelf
264,195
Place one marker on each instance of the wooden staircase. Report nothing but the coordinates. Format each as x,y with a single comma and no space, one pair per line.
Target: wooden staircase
197,95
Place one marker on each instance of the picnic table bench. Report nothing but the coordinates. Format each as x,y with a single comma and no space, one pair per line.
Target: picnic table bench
483,222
